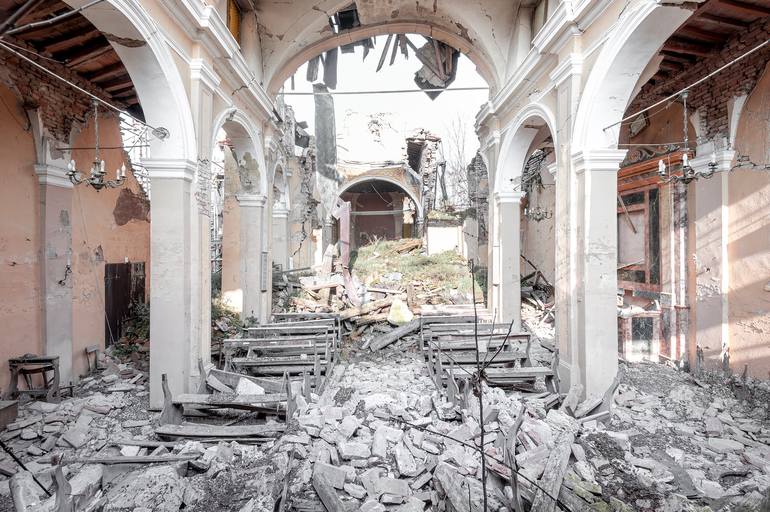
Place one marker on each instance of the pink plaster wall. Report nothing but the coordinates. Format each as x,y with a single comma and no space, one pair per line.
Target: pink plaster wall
20,239
95,231
20,306
749,240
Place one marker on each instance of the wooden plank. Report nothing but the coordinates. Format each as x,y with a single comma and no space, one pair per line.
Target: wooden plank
470,358
237,401
231,379
553,476
218,431
279,370
518,373
394,335
136,459
289,330
273,361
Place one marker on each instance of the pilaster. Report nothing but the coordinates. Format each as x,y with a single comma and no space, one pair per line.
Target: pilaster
596,257
56,265
251,208
173,288
508,212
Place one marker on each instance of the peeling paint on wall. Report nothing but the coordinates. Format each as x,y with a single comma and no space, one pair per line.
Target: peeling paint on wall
131,206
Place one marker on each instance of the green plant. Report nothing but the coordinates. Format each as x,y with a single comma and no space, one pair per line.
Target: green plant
137,326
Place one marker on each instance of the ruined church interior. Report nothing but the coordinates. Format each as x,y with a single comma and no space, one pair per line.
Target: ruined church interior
408,256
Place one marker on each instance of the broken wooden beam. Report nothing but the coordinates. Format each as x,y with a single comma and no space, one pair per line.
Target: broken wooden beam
192,431
394,335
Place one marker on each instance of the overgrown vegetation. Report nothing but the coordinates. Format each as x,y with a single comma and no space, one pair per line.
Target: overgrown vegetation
137,326
377,263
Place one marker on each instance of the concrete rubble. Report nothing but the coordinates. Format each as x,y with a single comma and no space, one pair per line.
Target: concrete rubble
380,436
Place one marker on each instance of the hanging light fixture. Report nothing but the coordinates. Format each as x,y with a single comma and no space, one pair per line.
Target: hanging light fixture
688,173
98,172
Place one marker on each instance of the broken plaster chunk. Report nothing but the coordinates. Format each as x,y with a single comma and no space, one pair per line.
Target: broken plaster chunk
372,506
348,427
713,426
357,491
722,445
248,387
332,474
351,450
405,460
393,487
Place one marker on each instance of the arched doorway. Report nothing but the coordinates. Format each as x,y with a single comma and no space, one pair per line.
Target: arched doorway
381,209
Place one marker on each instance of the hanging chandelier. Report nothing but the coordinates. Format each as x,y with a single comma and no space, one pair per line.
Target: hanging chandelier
688,173
537,213
98,173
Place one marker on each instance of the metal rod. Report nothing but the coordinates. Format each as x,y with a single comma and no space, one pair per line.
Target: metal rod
20,463
51,21
391,91
21,11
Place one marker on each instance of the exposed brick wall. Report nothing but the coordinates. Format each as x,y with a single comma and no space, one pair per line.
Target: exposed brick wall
60,105
712,96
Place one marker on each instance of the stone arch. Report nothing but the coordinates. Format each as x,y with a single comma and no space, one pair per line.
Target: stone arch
246,139
635,40
153,72
280,182
291,63
363,179
517,143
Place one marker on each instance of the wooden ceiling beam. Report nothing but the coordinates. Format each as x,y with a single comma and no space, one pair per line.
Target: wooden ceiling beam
678,57
43,11
721,20
116,84
708,36
678,46
107,72
68,40
671,66
745,7
85,53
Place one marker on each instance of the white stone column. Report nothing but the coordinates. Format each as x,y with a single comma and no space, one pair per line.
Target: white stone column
507,206
596,283
171,285
56,265
280,244
251,217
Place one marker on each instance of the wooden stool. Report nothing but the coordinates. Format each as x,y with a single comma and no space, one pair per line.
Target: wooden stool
29,365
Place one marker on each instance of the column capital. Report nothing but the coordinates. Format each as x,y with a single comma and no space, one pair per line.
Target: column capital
164,168
723,158
280,212
509,196
251,200
605,160
53,175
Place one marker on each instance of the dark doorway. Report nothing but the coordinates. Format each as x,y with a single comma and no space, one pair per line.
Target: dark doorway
123,285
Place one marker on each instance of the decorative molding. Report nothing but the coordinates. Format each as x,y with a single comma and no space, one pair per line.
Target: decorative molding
170,169
509,197
251,200
572,65
52,175
598,160
724,159
200,70
280,213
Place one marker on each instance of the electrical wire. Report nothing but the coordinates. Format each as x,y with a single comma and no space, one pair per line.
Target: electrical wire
3,44
384,91
688,87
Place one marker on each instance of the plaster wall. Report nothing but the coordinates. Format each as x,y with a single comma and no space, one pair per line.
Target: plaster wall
538,238
20,301
749,240
109,226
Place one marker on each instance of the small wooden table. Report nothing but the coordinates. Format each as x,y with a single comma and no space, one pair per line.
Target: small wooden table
29,365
